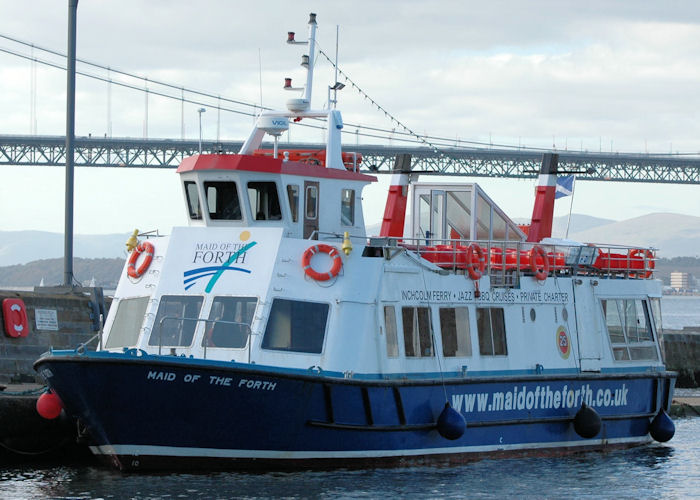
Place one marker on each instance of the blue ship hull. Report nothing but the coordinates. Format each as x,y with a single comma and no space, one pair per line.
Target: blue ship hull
149,412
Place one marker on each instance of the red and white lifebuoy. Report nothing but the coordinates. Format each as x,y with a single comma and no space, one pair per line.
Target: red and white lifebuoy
540,272
14,313
321,248
146,249
476,262
646,254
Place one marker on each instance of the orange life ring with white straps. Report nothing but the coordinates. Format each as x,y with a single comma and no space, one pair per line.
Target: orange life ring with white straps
321,248
144,248
540,272
475,268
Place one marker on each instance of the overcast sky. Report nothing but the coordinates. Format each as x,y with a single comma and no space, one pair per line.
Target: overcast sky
621,76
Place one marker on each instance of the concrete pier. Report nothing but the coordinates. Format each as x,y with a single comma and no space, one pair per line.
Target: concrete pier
682,354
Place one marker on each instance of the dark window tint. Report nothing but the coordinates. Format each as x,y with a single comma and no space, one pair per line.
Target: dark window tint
293,194
176,320
416,332
222,200
264,202
296,326
193,200
229,322
492,331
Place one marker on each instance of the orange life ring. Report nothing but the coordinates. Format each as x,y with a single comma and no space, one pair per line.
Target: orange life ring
649,256
321,248
475,267
540,273
144,248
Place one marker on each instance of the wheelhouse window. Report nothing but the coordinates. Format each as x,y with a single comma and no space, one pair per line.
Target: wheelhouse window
392,341
264,202
311,202
454,329
296,326
222,200
176,321
629,329
417,336
229,322
127,322
491,326
347,207
192,195
293,195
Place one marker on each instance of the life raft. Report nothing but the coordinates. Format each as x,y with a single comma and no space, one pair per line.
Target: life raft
144,248
321,248
647,261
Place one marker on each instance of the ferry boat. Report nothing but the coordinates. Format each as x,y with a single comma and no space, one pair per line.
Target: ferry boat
273,332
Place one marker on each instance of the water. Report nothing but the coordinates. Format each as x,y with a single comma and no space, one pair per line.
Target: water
654,471
680,311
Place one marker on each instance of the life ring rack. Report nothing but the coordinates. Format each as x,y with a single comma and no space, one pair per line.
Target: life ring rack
145,248
475,268
321,248
539,272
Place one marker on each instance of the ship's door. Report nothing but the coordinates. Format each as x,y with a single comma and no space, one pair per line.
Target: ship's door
589,324
310,208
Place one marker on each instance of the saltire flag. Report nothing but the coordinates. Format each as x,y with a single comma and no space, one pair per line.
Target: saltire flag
565,186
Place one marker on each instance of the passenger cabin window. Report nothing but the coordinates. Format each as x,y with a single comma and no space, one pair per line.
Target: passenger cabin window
192,195
127,322
454,329
392,341
417,336
629,329
176,320
222,200
293,195
264,202
296,326
491,326
347,207
229,322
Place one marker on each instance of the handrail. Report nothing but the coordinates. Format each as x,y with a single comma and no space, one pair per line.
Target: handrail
509,259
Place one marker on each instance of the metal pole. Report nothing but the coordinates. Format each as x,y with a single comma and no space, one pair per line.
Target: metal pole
70,139
200,111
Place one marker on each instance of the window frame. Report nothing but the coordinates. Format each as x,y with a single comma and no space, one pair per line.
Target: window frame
215,216
493,322
119,325
270,316
255,210
195,213
627,346
416,338
182,321
347,207
466,335
211,323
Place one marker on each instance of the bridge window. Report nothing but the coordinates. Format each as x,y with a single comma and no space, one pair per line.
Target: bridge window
293,195
264,202
176,320
347,207
222,200
629,329
311,202
193,200
454,329
416,332
392,341
296,326
229,322
492,331
127,322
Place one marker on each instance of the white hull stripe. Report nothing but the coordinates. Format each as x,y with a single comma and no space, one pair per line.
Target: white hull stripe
175,451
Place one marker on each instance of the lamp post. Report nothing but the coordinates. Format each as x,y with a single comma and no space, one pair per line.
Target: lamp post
200,111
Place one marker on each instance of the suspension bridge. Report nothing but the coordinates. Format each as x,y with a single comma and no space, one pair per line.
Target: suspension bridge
431,155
